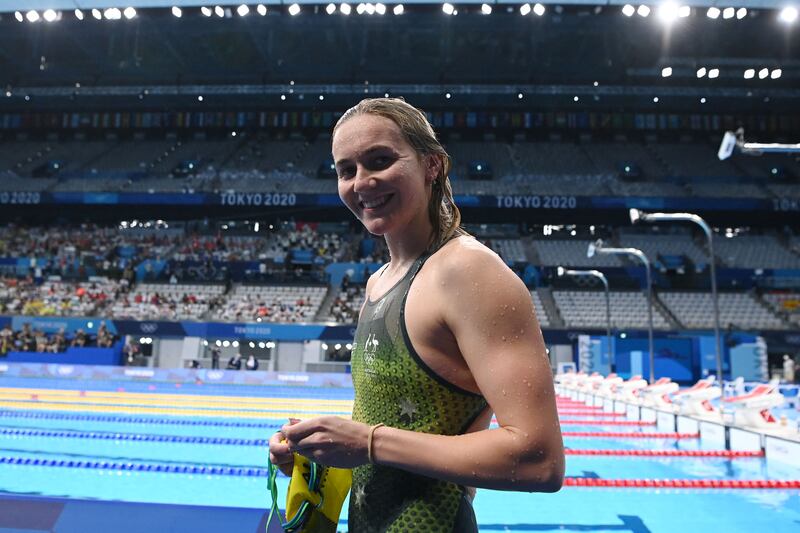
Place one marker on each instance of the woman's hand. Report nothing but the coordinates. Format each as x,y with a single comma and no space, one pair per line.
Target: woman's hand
329,441
279,453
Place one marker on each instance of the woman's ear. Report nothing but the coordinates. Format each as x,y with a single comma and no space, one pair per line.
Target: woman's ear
433,167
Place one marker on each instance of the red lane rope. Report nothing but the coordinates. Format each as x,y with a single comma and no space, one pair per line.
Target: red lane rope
567,412
606,423
668,453
685,483
631,434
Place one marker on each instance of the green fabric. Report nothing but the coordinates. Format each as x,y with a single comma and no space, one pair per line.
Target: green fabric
393,386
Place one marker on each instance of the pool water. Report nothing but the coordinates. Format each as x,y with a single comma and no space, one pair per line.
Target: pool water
113,445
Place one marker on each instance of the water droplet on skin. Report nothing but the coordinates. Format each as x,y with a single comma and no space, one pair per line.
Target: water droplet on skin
513,308
504,392
504,338
473,473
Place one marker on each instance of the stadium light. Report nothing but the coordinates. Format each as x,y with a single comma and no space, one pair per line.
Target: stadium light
637,216
576,98
643,10
112,13
655,99
763,73
261,9
628,10
448,8
380,9
360,8
32,16
129,13
749,74
243,10
97,14
598,247
218,11
398,9
78,14
200,98
713,73
561,271
684,11
294,9
703,100
19,16
701,72
728,13
519,96
206,11
666,72
486,9
345,9
741,13
330,9
538,10
524,9
713,13
788,15
668,12
775,74
370,9
176,12
447,95
50,15
226,343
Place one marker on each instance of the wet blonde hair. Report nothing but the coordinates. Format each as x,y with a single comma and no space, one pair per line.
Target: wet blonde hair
418,132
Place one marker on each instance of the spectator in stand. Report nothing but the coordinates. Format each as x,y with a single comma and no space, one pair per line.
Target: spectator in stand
6,339
80,339
235,362
58,343
41,341
215,351
252,363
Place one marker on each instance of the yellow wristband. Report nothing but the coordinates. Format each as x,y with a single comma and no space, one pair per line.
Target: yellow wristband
369,441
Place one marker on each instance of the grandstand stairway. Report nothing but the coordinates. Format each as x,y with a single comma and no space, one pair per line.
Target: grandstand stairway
550,308
531,255
659,306
324,312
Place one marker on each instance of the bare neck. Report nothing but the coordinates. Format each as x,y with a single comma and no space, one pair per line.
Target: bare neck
408,244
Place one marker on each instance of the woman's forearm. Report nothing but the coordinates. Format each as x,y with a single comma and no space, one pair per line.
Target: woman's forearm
502,458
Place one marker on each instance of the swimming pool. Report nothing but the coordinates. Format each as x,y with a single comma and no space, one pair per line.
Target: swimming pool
204,445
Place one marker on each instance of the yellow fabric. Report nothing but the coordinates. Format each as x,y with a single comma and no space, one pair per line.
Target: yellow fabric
326,502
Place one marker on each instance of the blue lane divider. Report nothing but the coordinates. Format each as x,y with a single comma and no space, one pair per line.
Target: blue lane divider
135,420
138,467
133,437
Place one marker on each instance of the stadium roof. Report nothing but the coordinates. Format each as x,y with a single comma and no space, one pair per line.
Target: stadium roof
744,59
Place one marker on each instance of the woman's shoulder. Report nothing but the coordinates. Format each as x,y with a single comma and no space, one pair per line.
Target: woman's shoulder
466,252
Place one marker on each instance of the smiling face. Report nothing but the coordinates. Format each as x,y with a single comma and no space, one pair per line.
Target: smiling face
382,179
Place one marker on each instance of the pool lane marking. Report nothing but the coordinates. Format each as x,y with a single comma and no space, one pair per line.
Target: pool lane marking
210,413
262,472
669,453
135,437
125,398
631,434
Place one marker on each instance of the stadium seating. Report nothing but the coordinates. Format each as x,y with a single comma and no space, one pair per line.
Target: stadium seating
272,303
572,253
587,309
755,251
695,310
786,304
168,302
